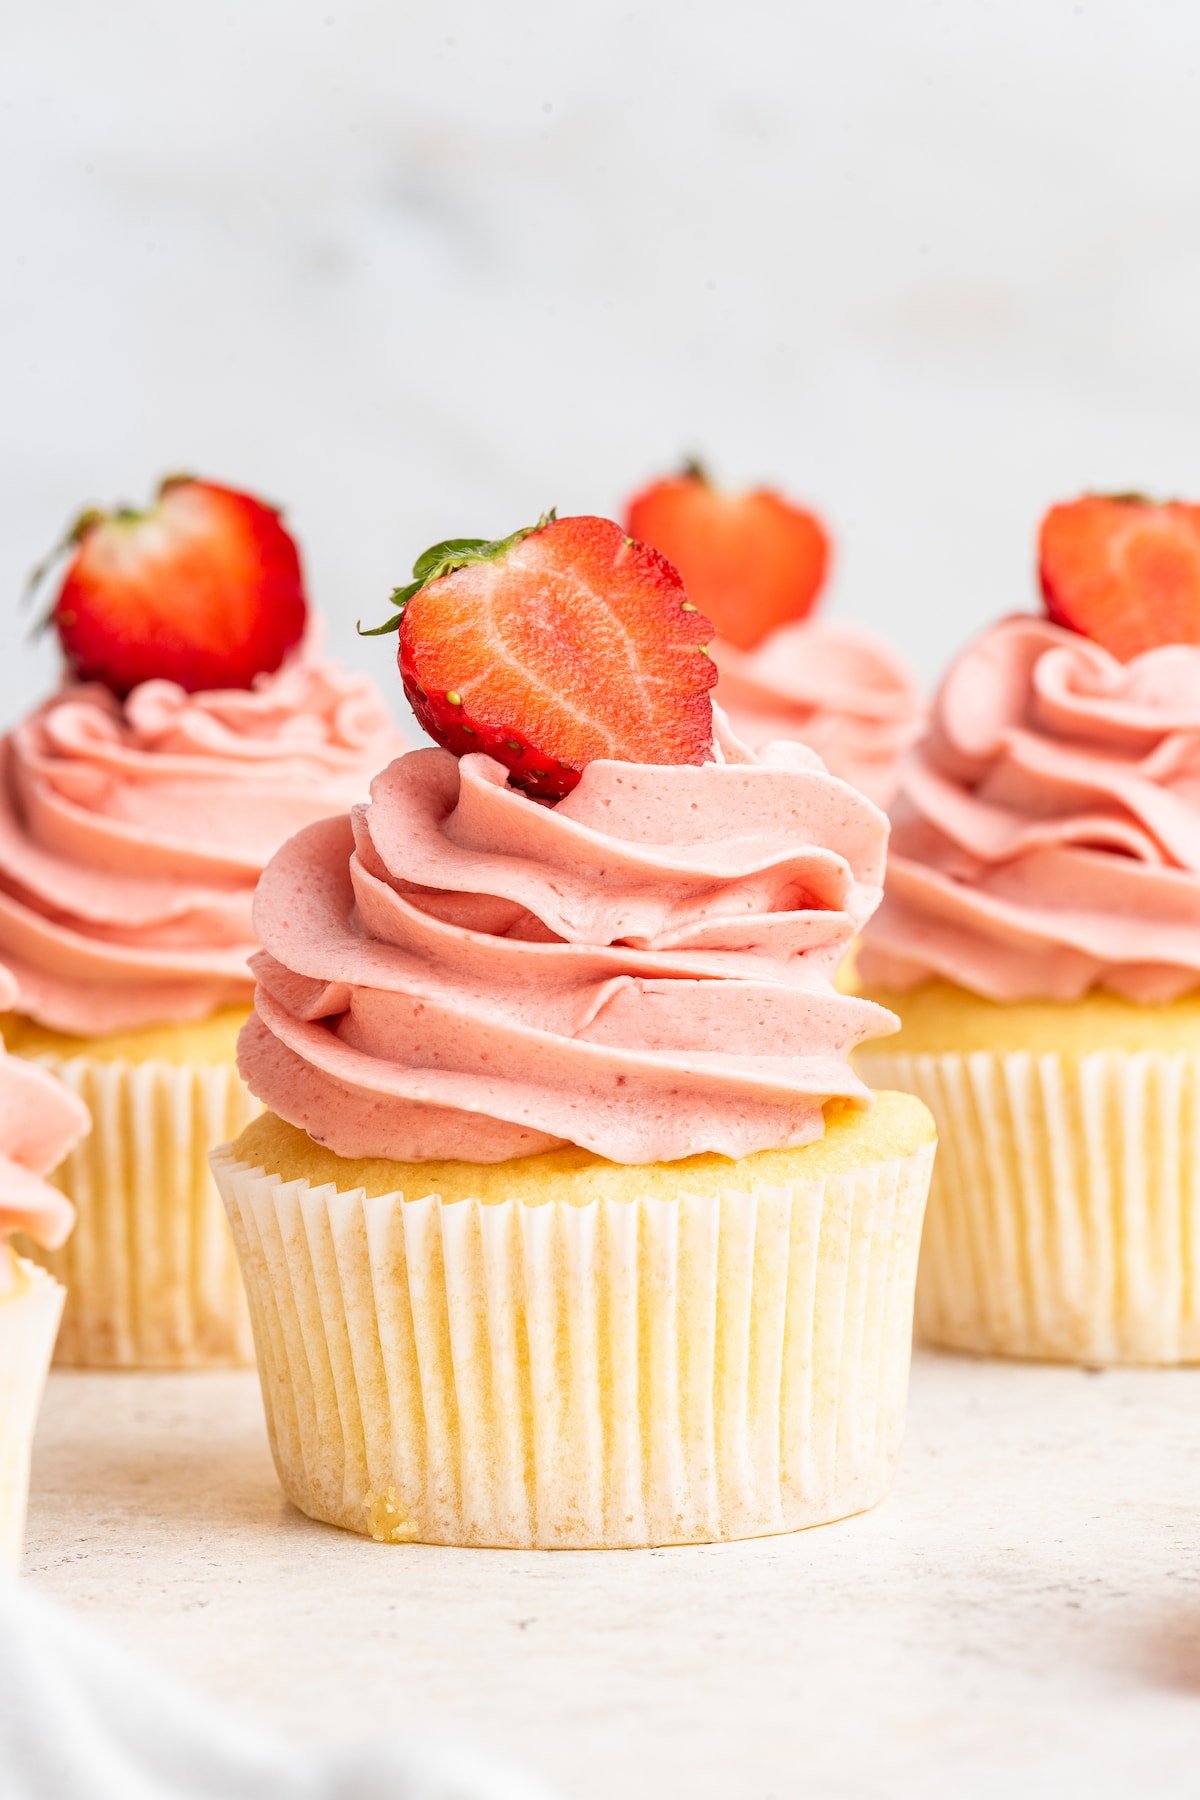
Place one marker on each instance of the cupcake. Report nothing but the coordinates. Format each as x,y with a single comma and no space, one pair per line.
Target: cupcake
39,1122
137,810
755,565
1040,940
567,1222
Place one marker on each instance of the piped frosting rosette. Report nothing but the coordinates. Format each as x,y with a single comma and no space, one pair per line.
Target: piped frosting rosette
644,970
833,686
1047,841
132,834
39,1121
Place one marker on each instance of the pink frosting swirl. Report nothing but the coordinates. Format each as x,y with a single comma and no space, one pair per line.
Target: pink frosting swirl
132,834
40,1120
644,970
1047,838
835,687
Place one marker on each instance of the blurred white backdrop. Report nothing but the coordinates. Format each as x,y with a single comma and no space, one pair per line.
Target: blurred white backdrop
422,269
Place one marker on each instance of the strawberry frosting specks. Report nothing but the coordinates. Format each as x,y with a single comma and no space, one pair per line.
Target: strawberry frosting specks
750,562
40,1120
833,686
204,589
1046,842
645,970
132,834
554,648
1123,571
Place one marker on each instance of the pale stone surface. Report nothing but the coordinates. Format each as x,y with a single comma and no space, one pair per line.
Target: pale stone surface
1023,1616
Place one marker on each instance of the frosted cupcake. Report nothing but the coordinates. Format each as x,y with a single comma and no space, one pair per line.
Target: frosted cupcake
134,823
1040,939
755,565
39,1122
568,1222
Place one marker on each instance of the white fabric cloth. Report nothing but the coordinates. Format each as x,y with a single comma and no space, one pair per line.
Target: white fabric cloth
82,1719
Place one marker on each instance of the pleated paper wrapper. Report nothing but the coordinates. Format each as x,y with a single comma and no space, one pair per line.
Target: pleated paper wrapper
618,1373
1064,1214
150,1269
28,1322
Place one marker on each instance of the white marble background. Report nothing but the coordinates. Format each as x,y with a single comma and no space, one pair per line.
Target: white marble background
422,269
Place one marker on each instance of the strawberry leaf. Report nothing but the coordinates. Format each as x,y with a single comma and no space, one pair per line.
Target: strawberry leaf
442,559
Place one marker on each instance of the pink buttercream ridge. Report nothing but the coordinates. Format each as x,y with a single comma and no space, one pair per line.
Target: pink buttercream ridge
40,1120
132,834
1047,838
645,970
833,686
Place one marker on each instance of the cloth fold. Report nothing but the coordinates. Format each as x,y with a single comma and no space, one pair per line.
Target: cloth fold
82,1719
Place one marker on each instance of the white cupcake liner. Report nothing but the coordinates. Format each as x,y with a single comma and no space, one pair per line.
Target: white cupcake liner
150,1270
616,1373
1064,1214
29,1318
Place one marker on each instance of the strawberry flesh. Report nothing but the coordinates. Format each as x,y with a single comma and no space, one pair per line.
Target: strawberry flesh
204,589
751,562
555,648
1123,571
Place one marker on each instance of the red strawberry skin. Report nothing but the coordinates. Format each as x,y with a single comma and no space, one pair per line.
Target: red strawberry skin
1123,571
570,644
751,562
205,589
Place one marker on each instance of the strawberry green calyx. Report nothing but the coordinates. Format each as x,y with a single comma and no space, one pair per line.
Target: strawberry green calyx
72,537
443,559
86,521
565,644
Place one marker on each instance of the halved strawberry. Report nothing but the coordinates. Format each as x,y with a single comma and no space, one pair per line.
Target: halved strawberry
750,561
552,648
204,588
1123,571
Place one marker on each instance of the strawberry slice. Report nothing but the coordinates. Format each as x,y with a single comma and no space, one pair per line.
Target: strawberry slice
552,648
751,562
1123,571
204,588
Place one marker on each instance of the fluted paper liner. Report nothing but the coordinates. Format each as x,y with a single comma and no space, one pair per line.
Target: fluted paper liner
29,1318
1064,1213
150,1270
617,1373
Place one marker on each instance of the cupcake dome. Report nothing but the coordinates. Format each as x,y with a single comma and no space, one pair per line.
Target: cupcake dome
132,834
569,1223
1040,939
